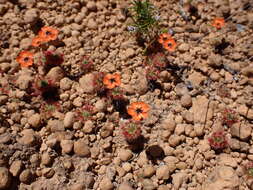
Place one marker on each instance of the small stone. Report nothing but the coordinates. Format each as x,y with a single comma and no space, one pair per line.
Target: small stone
200,107
67,146
46,159
86,83
125,155
81,148
15,168
183,47
88,126
91,6
180,128
245,131
127,167
106,184
55,125
215,60
199,129
148,170
215,76
65,84
26,176
141,84
181,89
24,81
92,24
129,53
5,178
35,120
48,172
196,78
148,184
186,101
69,119
107,130
55,74
28,137
169,124
227,160
163,172
31,16
125,186
247,71
174,140
178,179
100,105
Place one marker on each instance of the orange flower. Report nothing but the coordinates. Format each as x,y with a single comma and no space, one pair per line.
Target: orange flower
25,58
218,23
163,37
48,33
37,41
112,80
138,110
170,45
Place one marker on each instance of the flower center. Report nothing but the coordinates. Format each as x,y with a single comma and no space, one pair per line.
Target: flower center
48,33
112,80
138,110
26,59
170,44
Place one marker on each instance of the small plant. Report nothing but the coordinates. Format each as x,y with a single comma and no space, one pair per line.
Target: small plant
145,20
86,64
157,60
85,113
51,59
152,73
131,130
248,169
218,23
229,117
218,140
116,93
48,109
223,91
46,88
98,84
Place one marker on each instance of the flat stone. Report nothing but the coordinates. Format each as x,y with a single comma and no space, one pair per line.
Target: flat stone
199,107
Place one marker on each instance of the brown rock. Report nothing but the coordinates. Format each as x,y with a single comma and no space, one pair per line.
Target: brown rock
81,148
26,176
5,178
200,105
55,74
15,168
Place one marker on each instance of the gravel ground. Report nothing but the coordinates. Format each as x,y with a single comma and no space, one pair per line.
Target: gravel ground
76,142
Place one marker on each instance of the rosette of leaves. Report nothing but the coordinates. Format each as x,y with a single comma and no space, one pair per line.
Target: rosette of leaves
145,20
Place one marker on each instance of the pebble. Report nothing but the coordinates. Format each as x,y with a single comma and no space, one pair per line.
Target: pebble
35,120
106,184
178,179
184,47
125,155
28,137
92,24
26,176
69,119
129,53
148,170
148,184
88,126
91,6
66,146
46,159
31,16
5,178
55,74
81,148
199,108
48,172
186,101
100,105
65,84
163,172
16,167
174,140
181,89
125,186
86,83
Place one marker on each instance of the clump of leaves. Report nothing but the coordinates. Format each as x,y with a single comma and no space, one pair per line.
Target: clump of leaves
223,91
85,113
98,84
248,169
131,130
229,117
116,93
218,140
145,20
48,109
86,64
46,88
50,59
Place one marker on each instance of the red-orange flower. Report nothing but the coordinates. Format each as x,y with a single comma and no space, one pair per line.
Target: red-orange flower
163,37
37,41
138,110
112,80
48,33
25,58
170,45
218,23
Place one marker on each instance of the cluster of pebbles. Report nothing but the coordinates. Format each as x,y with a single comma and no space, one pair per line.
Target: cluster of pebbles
66,154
